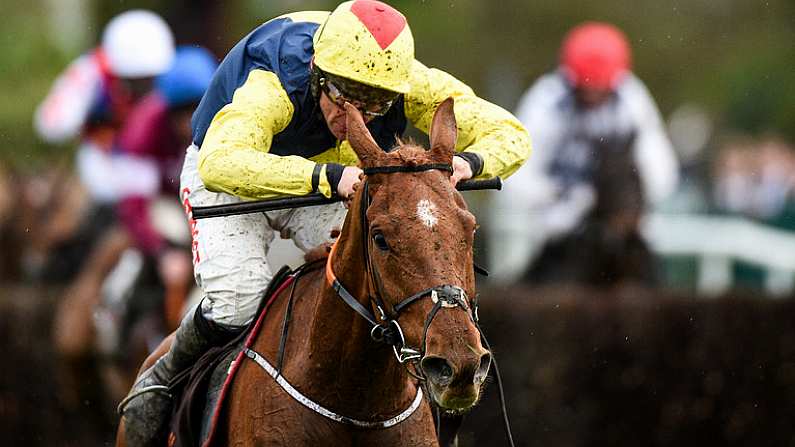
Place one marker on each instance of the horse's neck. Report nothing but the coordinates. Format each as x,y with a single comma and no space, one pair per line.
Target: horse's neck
617,182
346,361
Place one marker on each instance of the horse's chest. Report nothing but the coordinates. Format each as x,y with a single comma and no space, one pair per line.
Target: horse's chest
269,417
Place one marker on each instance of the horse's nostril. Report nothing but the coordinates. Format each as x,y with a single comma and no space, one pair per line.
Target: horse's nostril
483,368
438,370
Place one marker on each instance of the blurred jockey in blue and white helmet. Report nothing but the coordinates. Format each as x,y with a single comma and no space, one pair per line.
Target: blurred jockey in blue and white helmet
138,44
189,76
92,97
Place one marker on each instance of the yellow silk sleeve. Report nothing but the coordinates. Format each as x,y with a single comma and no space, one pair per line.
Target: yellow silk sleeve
483,128
234,156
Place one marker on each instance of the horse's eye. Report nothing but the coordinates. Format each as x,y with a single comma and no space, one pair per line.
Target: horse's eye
380,241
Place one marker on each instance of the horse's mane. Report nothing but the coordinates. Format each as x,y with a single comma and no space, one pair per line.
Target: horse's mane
400,142
408,152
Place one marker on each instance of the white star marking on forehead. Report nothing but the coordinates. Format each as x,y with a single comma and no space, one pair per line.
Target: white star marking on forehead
425,210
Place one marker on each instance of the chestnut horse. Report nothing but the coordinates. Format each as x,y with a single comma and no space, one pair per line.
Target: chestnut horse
400,271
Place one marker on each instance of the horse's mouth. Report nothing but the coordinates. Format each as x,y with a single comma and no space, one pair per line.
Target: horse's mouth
454,400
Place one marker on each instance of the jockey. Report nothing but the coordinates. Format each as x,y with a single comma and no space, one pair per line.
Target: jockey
90,101
590,101
272,123
93,96
149,154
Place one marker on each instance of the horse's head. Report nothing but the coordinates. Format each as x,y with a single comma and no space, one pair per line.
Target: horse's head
620,201
419,237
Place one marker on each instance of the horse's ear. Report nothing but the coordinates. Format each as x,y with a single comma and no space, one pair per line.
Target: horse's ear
443,129
360,138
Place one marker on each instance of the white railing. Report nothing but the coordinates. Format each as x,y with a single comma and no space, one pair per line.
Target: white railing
715,241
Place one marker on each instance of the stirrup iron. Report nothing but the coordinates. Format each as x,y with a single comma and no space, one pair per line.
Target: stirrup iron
163,389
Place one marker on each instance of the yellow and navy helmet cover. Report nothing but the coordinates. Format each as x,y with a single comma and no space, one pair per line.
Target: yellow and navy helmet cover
369,42
284,46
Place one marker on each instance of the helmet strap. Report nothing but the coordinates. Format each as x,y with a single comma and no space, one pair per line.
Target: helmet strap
314,80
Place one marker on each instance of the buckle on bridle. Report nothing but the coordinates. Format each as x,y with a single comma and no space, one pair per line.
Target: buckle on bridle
389,332
445,302
402,353
406,354
377,333
451,296
381,312
392,334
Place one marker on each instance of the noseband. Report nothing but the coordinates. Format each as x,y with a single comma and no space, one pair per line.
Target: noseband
385,327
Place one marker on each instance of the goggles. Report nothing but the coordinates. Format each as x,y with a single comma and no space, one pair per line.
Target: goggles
371,102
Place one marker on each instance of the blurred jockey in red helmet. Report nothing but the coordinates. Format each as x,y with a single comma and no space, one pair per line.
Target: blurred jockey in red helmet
589,109
595,55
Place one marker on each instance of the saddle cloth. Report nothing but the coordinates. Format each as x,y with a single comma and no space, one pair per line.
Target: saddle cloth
202,389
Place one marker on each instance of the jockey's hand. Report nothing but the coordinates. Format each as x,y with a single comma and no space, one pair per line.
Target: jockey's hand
351,175
461,170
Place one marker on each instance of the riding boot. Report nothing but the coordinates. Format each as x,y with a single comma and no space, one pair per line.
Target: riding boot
147,409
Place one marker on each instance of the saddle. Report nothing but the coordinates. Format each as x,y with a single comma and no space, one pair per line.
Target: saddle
200,391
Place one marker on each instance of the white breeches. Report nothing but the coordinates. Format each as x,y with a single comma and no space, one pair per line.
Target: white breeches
229,253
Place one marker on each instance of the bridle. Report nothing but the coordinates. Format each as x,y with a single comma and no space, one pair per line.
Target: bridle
385,326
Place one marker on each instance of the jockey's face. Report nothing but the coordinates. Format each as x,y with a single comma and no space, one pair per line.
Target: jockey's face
590,97
335,117
138,87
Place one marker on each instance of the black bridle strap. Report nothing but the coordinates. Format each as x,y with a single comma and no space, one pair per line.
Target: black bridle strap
400,168
428,320
444,288
352,302
375,281
297,274
405,303
343,292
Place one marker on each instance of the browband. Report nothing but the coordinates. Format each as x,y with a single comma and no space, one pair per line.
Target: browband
418,168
